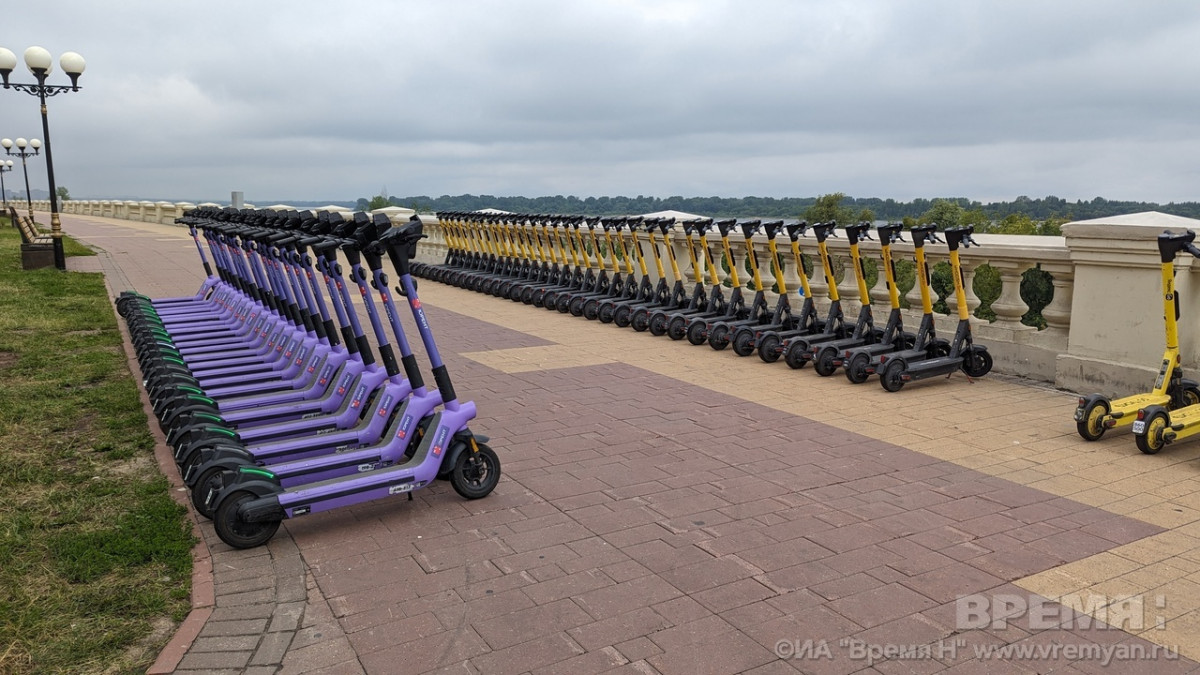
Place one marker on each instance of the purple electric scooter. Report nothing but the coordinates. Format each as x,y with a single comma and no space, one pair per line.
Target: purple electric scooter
251,503
405,427
360,422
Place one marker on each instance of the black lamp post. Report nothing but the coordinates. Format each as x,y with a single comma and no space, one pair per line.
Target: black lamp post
40,64
23,154
5,167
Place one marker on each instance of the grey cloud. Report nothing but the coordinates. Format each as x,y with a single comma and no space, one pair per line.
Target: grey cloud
308,100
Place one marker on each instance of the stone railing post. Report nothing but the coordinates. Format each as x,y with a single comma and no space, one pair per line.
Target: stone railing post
1010,307
1058,312
848,286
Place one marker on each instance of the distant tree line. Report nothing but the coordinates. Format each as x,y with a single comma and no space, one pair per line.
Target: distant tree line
1041,209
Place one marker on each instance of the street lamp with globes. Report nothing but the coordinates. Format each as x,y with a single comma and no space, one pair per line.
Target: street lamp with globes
23,154
40,64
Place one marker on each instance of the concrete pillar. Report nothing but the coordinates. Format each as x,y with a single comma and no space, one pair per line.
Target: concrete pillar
1116,337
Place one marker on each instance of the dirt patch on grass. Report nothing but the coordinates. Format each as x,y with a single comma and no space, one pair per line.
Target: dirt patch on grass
7,359
134,466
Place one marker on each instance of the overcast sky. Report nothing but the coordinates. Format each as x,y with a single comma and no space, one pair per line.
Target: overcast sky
318,100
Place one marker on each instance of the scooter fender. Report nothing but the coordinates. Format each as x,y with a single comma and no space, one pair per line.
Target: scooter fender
205,433
227,457
191,414
266,507
1139,426
1085,402
197,443
459,446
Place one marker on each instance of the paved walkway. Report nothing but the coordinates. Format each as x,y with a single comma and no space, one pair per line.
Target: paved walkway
670,509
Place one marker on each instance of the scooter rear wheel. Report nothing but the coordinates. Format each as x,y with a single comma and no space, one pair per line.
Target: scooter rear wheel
697,333
236,532
606,313
591,310
823,362
576,306
856,368
743,342
890,378
623,316
475,474
1152,441
768,348
718,338
794,355
640,321
677,328
1091,427
207,480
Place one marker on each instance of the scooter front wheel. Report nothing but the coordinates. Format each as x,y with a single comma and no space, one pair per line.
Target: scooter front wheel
236,532
976,362
475,474
697,333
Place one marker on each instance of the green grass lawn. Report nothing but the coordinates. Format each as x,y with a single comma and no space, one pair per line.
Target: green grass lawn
95,557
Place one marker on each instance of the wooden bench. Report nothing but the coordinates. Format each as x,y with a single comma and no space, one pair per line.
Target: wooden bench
37,249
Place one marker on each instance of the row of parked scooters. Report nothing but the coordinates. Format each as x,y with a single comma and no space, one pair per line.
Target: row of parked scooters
267,387
597,268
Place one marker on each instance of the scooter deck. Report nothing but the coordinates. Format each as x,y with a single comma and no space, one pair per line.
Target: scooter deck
1129,405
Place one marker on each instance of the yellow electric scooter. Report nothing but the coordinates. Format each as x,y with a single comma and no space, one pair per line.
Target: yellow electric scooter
1152,427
